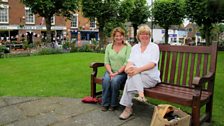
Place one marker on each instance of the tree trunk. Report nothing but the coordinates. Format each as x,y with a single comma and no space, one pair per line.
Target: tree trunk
207,29
48,26
101,34
135,33
166,35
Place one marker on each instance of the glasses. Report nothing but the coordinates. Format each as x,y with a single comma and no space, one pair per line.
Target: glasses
144,34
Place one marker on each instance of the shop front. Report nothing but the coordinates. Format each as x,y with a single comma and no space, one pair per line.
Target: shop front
85,35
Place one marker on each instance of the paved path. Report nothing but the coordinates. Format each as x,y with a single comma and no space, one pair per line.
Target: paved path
58,111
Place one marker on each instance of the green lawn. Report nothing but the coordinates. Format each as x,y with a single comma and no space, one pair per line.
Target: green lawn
68,75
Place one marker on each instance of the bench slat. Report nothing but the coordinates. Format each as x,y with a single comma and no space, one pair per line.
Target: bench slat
198,68
98,80
191,73
205,64
175,94
162,65
179,68
186,49
167,67
185,69
173,67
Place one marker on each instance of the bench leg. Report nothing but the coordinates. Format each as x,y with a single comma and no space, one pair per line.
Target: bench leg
195,116
209,111
93,87
93,90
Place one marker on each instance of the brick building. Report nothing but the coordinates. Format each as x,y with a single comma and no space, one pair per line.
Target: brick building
18,23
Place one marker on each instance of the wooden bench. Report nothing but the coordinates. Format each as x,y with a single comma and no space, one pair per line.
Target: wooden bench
187,75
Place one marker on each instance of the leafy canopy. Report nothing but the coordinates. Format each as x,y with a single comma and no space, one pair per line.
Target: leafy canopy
168,12
140,12
109,14
46,8
205,13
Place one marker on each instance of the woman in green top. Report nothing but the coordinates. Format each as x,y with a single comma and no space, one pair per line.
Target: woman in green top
116,56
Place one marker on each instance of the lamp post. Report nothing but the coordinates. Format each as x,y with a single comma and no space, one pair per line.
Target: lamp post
151,22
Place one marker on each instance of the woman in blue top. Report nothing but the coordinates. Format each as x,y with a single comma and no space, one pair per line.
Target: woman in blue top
116,56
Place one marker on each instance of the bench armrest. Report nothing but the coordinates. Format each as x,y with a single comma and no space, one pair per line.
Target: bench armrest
96,64
199,81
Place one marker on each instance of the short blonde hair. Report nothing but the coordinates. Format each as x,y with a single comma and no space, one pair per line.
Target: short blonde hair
143,28
115,30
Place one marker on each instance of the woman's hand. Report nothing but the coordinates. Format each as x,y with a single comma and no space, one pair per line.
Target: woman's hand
131,71
112,75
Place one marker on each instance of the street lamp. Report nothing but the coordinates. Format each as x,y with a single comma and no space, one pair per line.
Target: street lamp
151,23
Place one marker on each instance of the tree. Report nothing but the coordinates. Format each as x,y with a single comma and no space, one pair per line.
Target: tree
107,13
49,8
124,11
140,14
205,13
216,32
167,13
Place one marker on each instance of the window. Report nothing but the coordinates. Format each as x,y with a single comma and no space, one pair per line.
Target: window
92,23
30,17
74,21
4,0
174,39
4,14
53,20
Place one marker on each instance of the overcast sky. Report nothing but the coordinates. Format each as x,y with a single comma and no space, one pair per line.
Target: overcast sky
149,2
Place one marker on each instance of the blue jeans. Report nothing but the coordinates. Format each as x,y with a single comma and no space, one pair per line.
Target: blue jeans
111,89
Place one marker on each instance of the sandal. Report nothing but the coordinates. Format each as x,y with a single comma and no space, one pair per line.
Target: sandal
140,99
126,114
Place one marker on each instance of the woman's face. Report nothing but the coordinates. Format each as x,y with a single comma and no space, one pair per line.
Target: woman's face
144,37
118,37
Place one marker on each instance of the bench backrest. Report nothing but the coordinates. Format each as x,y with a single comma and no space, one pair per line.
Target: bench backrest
179,64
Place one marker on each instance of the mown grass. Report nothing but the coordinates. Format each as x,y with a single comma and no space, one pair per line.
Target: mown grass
65,75
68,75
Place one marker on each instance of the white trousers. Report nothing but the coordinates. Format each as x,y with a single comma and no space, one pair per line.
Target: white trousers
136,84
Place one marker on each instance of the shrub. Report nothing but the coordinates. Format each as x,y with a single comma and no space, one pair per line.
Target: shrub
47,51
66,45
4,49
85,48
74,49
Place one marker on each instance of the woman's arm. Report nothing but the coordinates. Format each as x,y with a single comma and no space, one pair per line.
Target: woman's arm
108,68
135,70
